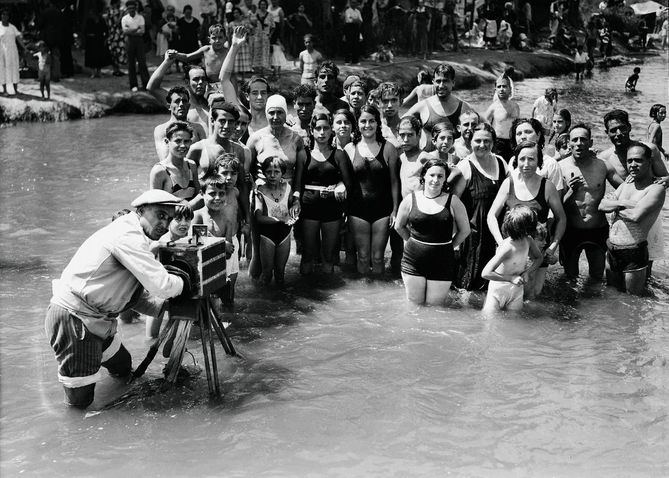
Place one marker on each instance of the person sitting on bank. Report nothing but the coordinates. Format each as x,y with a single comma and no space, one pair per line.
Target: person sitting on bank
635,206
112,271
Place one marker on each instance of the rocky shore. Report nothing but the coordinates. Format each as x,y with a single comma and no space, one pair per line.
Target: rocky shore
82,97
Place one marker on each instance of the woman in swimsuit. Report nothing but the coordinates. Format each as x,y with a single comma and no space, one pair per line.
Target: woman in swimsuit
525,186
275,215
530,129
658,112
376,190
323,180
176,174
426,220
482,175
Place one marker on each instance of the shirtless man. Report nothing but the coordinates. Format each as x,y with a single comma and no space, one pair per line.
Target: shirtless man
390,97
326,87
178,100
636,204
304,97
501,114
443,106
587,229
618,129
196,81
462,146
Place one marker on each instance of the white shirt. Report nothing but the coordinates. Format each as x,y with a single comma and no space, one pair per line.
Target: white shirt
130,24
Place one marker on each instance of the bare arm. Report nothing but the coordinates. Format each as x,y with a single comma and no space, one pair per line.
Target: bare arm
611,203
394,166
502,253
411,96
157,78
555,204
239,36
489,114
496,209
461,221
403,218
187,57
652,201
157,177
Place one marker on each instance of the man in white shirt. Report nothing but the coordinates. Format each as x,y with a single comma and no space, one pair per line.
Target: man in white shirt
112,271
133,27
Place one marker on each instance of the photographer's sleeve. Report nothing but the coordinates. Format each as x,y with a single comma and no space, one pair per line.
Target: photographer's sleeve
132,251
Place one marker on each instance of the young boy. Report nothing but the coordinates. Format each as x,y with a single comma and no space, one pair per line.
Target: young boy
462,147
507,271
221,215
213,54
43,56
501,114
630,84
562,149
309,61
179,226
580,60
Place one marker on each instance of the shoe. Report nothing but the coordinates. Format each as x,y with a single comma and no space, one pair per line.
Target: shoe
134,89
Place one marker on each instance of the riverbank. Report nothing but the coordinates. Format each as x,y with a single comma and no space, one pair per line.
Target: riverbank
84,97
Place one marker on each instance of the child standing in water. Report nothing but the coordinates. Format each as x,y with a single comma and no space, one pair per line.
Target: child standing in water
630,84
501,114
658,112
221,215
580,60
43,56
507,271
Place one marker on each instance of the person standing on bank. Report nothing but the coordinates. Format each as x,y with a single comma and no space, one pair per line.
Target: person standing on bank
133,28
10,40
112,271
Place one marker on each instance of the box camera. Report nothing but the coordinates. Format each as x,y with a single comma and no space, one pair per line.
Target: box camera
202,258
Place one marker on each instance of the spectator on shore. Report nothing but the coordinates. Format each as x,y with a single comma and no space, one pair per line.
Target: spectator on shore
65,39
43,56
299,25
49,25
451,23
133,27
95,32
263,23
115,38
10,41
189,30
244,59
309,61
420,19
352,32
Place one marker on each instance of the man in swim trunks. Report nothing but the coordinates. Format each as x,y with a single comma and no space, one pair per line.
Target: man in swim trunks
635,206
618,129
443,106
587,229
114,270
178,100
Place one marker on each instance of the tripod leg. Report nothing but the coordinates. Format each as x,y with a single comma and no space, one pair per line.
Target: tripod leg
222,335
214,365
204,331
178,349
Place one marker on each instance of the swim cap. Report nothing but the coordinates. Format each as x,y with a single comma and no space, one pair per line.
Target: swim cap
276,101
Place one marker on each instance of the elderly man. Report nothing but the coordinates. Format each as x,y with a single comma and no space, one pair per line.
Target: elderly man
113,270
635,206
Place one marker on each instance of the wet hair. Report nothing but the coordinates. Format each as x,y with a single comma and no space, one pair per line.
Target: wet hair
177,126
527,145
440,128
469,113
215,28
329,66
618,115
221,105
655,109
562,141
565,114
488,128
274,159
355,131
227,161
424,78
212,179
183,212
187,7
179,90
536,126
389,88
647,152
520,221
374,111
637,70
188,68
435,162
305,91
581,126
444,69
503,77
118,213
415,123
315,118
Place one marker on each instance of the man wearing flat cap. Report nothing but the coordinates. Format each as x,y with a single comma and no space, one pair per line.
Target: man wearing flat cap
112,271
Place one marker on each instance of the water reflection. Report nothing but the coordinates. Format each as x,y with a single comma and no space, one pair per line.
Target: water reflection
338,376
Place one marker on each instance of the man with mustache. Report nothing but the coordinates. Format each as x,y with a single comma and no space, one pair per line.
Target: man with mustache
635,205
114,270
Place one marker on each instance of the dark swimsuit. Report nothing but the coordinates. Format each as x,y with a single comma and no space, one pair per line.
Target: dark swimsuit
371,198
434,118
279,231
321,205
179,191
429,251
538,204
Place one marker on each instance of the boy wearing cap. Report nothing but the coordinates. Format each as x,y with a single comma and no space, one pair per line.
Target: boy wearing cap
113,270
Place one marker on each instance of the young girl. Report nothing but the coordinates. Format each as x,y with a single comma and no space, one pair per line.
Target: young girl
275,215
180,225
324,178
561,124
507,271
658,112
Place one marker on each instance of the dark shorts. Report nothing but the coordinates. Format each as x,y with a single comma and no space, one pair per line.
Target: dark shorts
79,352
627,259
322,207
576,240
432,261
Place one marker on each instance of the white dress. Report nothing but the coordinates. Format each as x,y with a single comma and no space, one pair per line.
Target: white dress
9,54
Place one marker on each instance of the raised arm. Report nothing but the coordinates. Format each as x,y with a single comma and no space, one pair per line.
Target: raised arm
153,86
187,57
229,91
411,96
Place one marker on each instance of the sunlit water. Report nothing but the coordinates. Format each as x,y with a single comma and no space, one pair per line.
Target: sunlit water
339,377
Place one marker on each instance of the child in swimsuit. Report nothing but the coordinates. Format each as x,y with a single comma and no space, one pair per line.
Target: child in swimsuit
630,84
275,215
507,271
221,215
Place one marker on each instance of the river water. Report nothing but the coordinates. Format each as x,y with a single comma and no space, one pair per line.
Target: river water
339,377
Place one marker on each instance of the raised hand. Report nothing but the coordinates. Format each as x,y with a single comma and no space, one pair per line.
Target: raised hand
239,35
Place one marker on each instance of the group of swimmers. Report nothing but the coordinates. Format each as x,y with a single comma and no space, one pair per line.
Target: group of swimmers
471,200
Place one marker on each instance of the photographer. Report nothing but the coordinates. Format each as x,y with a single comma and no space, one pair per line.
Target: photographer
114,270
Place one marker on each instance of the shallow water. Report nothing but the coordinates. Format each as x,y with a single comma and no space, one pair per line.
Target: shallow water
339,377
